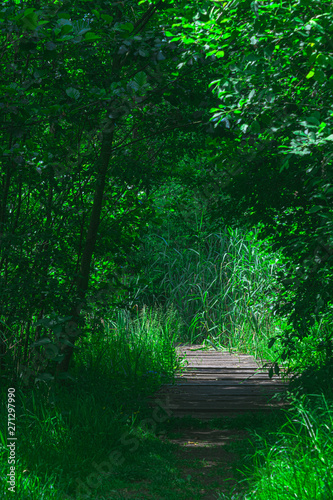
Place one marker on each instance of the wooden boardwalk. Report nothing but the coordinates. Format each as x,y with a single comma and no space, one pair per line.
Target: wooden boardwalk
217,383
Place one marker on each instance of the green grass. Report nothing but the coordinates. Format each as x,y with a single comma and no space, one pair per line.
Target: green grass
299,462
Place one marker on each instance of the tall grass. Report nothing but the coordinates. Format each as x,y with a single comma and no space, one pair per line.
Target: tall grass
129,343
63,431
223,288
299,462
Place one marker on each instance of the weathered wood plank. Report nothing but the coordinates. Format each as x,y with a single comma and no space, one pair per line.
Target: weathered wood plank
199,391
228,382
219,409
224,369
225,408
225,376
211,404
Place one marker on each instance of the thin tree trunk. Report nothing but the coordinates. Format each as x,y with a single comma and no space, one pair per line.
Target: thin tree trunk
90,241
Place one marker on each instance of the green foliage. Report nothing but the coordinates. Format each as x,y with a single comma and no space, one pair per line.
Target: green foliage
273,95
88,115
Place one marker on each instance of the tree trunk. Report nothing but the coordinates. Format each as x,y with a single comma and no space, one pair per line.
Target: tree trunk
89,244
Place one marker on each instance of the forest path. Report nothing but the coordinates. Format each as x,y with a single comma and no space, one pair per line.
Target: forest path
234,389
223,398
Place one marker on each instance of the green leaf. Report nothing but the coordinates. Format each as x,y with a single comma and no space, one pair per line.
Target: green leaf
143,53
67,342
310,74
315,209
64,15
322,60
30,21
44,376
127,27
65,376
284,166
319,75
313,120
271,342
140,78
219,54
66,29
132,86
255,127
108,19
91,36
42,341
73,93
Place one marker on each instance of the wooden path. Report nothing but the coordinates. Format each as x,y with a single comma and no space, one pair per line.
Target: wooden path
217,383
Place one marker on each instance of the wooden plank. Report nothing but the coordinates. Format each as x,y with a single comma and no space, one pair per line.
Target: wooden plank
249,359
222,358
184,399
221,385
225,382
231,412
216,367
217,354
212,391
233,388
223,362
191,352
226,355
219,414
226,376
212,404
224,368
223,406
230,396
211,365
